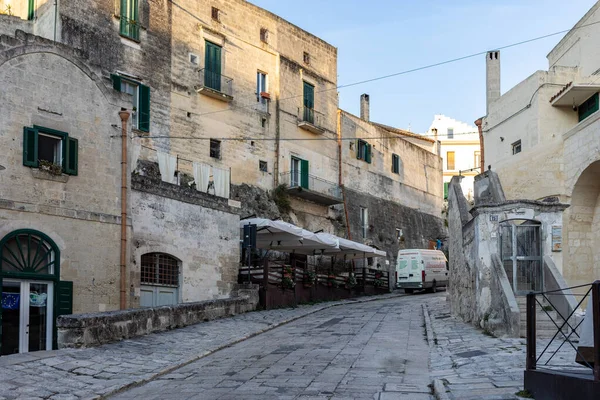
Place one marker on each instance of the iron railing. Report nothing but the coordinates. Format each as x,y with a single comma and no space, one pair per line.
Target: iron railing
566,331
295,179
310,115
216,81
130,28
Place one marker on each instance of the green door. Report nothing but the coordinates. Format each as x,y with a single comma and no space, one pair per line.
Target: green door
212,68
309,103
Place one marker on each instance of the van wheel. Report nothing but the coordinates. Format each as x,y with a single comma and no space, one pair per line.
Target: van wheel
433,288
408,291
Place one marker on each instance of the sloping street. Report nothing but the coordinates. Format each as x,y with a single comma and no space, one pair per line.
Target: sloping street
356,351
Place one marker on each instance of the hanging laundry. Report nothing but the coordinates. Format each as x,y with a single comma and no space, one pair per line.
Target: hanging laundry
201,176
221,178
136,149
10,301
167,164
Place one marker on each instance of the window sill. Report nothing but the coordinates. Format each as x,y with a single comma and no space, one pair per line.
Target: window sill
39,174
139,133
133,43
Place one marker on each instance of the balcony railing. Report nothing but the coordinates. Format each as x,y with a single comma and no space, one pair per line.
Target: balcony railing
130,28
312,188
311,120
215,85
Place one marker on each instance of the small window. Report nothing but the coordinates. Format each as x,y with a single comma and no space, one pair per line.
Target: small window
263,122
516,147
159,269
450,134
477,159
140,101
364,221
261,87
215,148
589,107
193,58
395,163
306,58
363,151
51,150
264,35
450,164
262,166
215,14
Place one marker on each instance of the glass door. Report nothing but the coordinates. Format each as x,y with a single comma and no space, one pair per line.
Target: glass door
295,167
26,316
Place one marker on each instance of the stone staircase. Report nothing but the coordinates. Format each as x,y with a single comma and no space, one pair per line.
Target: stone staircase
545,328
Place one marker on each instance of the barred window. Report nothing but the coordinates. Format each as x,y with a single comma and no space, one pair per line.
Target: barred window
160,269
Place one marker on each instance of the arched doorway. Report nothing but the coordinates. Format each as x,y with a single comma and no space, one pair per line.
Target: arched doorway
583,226
521,254
29,284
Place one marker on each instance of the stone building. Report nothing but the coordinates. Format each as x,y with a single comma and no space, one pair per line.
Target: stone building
460,151
541,138
234,111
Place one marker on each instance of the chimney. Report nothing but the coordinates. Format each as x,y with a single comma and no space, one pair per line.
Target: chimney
492,77
364,107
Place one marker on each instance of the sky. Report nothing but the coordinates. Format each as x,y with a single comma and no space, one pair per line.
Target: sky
380,37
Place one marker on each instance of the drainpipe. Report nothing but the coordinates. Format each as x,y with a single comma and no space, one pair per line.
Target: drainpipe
479,122
277,150
124,114
340,180
55,17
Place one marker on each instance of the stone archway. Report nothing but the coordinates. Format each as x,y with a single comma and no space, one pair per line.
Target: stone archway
582,227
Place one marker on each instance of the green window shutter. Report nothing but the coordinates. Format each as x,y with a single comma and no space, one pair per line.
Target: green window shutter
30,147
395,164
64,298
71,159
368,153
31,10
144,111
589,107
212,66
446,185
116,79
304,174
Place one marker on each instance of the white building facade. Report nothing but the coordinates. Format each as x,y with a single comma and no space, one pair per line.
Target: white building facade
542,136
460,151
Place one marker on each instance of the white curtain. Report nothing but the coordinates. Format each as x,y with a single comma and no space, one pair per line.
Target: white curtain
201,176
221,179
136,149
167,165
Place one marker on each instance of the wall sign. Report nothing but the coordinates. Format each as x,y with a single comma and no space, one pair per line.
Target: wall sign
556,237
494,217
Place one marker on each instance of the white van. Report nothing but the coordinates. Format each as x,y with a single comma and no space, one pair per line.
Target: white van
419,269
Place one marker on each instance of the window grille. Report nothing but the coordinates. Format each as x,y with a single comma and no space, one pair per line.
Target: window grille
159,269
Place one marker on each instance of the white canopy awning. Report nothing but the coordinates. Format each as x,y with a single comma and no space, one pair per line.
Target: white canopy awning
286,237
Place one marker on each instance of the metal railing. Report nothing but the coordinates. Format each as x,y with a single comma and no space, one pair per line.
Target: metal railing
130,28
216,81
310,182
566,330
310,115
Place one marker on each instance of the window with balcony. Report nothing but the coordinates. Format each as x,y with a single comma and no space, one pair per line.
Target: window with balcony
450,164
588,107
309,103
212,66
262,93
130,24
299,173
363,151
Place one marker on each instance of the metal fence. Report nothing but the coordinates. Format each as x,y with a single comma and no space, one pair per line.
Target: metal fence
293,179
310,115
216,81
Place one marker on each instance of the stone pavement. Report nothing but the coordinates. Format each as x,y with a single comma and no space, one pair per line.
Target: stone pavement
473,365
372,350
97,372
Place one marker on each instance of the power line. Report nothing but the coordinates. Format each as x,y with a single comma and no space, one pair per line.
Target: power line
398,136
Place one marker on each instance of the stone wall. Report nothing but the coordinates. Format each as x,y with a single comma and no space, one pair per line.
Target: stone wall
94,329
198,229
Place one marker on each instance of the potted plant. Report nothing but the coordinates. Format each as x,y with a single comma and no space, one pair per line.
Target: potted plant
351,281
265,95
50,167
309,279
378,282
287,281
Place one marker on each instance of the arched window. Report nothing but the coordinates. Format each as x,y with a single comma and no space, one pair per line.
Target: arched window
28,252
159,280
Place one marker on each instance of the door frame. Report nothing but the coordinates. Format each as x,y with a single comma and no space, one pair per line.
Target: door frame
514,257
24,309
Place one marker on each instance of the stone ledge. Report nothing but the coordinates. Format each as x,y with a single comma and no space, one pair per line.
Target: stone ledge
41,174
94,329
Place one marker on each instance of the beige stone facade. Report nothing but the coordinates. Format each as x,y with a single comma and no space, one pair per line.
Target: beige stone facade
540,138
